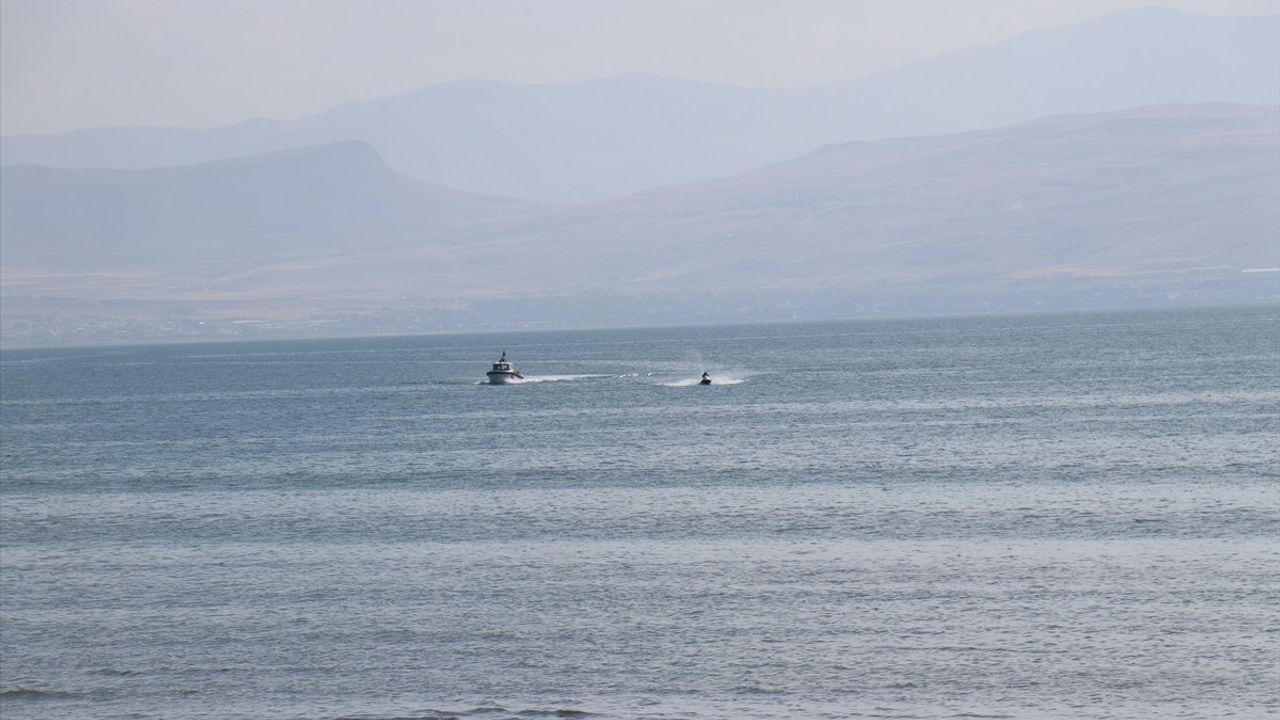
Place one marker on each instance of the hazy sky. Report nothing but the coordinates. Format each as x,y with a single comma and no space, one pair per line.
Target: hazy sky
70,64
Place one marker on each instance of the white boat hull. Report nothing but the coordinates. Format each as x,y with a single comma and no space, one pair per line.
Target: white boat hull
503,372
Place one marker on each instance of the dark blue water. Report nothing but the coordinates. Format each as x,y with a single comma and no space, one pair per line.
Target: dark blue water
1028,517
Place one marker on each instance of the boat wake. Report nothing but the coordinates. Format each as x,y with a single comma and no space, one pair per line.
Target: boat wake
534,379
556,378
697,382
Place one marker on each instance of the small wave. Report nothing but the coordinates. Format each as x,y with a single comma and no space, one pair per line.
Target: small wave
480,712
112,672
758,690
424,715
483,712
430,715
32,694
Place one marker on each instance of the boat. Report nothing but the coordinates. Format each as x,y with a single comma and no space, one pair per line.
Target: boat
503,372
706,379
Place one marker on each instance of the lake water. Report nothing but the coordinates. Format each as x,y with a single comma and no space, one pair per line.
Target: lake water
1071,516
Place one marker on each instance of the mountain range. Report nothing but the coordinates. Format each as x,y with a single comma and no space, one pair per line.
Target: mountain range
1132,160
1163,189
607,138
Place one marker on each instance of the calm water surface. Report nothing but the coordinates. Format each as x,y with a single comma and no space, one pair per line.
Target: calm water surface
1068,516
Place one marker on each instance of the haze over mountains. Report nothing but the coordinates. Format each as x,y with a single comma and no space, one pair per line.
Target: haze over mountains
1170,189
1132,160
606,138
290,203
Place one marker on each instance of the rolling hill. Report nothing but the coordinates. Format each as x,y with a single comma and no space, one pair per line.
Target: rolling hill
1160,190
286,204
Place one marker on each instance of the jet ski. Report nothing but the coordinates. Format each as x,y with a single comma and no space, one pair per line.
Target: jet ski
706,379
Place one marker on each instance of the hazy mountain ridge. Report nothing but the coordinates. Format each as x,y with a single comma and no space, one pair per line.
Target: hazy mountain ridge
299,202
1165,189
606,138
1145,207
